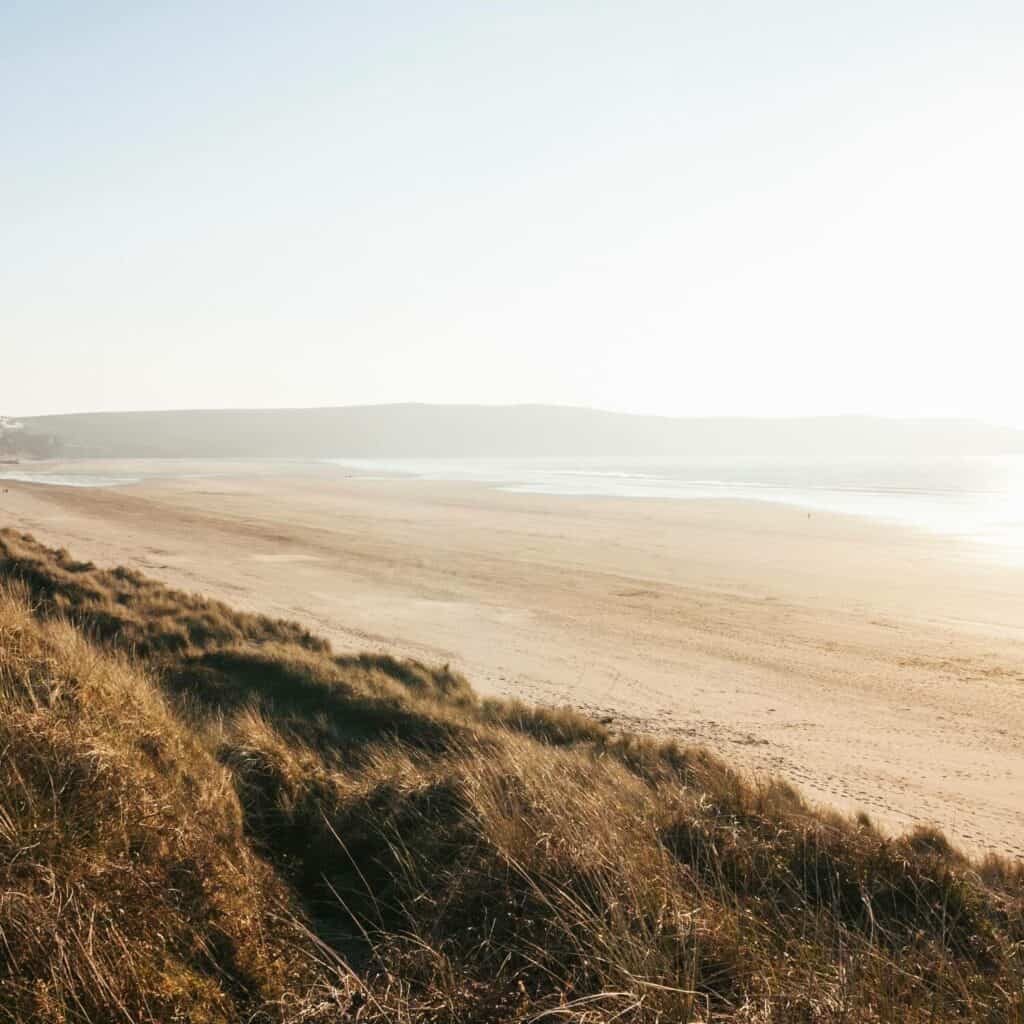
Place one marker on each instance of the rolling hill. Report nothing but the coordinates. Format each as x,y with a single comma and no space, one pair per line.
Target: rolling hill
414,430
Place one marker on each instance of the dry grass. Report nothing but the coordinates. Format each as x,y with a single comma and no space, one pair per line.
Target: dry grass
208,816
129,888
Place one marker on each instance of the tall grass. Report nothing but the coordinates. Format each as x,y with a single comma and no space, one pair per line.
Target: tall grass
209,816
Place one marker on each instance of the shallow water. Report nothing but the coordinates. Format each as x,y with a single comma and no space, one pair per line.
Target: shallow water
68,479
976,498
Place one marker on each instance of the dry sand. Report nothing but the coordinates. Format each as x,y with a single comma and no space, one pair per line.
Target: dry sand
875,667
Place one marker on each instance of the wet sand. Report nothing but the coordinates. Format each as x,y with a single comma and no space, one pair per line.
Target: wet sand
875,667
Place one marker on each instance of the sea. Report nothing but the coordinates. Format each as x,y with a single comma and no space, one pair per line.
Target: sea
973,498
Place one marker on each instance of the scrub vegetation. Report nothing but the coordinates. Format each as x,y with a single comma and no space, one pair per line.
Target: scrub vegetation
209,816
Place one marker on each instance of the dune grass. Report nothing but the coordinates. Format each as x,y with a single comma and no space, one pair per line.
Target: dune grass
209,816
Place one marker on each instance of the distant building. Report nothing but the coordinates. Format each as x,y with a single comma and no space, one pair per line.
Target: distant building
12,435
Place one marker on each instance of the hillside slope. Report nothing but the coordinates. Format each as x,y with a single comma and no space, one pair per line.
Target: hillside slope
527,430
208,816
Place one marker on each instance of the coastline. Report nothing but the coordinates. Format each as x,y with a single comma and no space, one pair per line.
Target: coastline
876,667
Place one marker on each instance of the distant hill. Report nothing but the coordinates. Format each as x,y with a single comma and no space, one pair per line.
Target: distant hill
522,430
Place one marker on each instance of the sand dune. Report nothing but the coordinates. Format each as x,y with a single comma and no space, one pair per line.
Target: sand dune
875,667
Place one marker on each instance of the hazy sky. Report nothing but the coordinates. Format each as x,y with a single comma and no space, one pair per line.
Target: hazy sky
672,207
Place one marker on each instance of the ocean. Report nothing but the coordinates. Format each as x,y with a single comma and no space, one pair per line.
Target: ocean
973,498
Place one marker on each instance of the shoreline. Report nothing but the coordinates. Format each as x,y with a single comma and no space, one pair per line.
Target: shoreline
874,667
993,538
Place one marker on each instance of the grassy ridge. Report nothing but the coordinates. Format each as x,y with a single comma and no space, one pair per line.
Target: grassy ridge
209,816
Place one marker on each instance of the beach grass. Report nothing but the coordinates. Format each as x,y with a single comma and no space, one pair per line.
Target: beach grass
208,815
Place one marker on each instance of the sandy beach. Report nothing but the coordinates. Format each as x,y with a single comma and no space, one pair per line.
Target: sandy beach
875,667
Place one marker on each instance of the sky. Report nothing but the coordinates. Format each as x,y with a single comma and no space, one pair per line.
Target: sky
682,208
